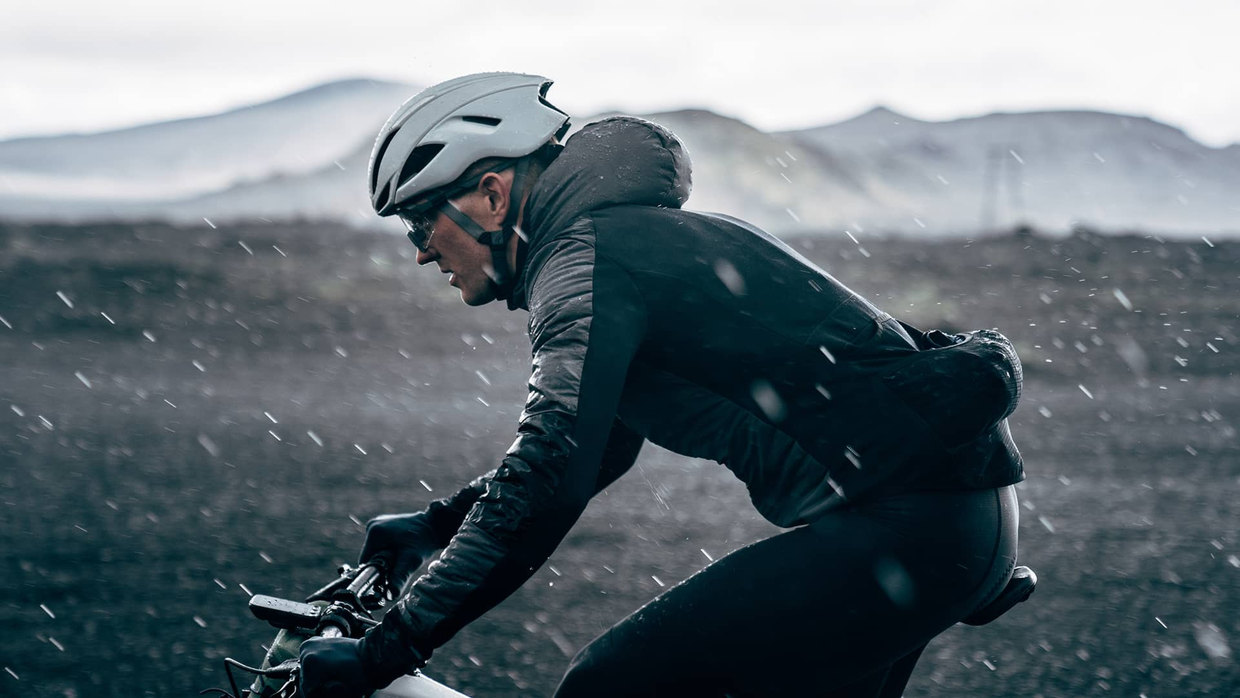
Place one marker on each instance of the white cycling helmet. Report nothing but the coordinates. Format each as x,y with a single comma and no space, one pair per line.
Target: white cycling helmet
437,134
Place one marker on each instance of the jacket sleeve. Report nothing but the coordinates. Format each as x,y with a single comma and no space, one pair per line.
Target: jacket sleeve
586,322
448,514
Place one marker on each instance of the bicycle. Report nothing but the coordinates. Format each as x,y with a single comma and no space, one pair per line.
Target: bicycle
347,607
344,608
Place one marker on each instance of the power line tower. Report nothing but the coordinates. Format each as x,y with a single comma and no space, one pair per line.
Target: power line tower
990,187
1002,171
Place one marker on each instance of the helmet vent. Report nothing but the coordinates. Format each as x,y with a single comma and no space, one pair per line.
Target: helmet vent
418,160
382,200
484,120
378,159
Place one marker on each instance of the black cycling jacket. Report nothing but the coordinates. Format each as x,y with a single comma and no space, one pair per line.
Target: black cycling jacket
708,337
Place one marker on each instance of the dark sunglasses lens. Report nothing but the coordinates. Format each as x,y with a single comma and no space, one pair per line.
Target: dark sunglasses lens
419,230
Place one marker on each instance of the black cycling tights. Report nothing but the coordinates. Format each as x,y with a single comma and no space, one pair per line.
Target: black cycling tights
827,609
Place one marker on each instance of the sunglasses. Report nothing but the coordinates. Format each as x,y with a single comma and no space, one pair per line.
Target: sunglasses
420,218
420,222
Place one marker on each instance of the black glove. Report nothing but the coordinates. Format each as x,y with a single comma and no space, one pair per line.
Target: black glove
332,667
404,540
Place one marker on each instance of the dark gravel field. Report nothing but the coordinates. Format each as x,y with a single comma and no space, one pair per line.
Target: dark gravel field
188,415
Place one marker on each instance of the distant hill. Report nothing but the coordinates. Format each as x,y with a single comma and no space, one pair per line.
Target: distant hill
333,190
305,155
293,135
770,179
1049,169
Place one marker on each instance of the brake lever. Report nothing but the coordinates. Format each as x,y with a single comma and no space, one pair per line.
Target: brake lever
289,689
286,669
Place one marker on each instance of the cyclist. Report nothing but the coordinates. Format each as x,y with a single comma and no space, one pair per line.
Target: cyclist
884,450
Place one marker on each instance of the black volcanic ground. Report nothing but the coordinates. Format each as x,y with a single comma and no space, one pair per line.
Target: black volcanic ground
187,411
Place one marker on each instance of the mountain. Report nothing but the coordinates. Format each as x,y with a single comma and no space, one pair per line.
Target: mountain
333,190
1052,170
290,136
305,156
770,179
738,170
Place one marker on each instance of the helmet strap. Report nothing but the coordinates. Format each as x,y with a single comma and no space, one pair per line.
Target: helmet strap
501,275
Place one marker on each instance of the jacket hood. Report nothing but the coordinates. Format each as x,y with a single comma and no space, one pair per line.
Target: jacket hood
615,161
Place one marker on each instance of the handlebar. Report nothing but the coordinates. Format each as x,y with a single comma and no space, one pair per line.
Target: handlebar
367,576
354,581
343,608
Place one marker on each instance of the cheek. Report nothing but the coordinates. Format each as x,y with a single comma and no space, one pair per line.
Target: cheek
480,257
456,250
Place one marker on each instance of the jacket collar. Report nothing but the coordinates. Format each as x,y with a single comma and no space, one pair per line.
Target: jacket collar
616,161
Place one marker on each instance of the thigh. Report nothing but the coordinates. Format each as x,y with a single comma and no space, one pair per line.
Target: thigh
802,613
688,641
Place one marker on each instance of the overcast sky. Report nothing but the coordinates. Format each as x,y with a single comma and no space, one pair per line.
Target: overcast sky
83,65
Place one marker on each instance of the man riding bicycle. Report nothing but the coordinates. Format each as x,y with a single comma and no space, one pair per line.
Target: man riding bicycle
884,450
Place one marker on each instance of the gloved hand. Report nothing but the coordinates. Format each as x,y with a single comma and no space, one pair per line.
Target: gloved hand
331,667
405,540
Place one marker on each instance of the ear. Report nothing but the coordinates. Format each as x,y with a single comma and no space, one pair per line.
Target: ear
496,188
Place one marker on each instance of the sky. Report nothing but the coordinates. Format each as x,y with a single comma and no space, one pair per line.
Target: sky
82,65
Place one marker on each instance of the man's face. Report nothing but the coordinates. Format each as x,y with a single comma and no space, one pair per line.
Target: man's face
456,253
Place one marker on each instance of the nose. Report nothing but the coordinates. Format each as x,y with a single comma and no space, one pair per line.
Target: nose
427,256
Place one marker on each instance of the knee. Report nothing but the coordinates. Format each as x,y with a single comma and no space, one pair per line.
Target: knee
587,672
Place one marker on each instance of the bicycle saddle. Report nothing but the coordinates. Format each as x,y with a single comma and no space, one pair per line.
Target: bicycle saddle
1018,588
